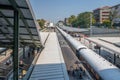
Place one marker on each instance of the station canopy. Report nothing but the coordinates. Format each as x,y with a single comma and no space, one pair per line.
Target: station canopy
28,31
72,29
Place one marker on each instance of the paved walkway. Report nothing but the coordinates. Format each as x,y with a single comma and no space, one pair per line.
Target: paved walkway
50,64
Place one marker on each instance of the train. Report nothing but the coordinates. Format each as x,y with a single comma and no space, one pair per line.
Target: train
100,68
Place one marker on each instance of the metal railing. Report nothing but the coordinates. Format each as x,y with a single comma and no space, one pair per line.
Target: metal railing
10,73
29,72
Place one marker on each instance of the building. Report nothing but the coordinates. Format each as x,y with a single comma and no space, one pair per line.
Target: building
66,21
60,23
46,23
101,14
115,10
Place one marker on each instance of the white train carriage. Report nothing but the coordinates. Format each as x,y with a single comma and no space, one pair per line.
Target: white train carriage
101,68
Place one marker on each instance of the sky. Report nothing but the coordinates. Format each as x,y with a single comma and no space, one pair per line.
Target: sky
55,10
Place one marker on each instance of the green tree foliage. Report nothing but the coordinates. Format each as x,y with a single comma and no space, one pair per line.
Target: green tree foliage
71,19
41,22
106,23
82,20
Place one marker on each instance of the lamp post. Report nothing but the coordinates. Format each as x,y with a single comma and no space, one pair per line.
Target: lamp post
91,24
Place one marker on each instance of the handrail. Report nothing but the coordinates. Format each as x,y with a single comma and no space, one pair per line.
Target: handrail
46,38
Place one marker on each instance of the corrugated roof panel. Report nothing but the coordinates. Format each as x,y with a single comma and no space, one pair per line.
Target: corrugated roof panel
10,30
28,41
21,3
34,31
21,23
5,40
1,36
23,31
4,2
30,23
26,13
35,37
8,13
27,21
3,22
25,36
37,42
10,20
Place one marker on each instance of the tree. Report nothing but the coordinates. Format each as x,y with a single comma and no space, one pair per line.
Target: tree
71,19
41,22
106,23
84,19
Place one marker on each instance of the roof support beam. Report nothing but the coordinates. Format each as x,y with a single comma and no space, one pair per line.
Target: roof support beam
20,17
16,46
20,40
4,44
8,7
20,34
20,26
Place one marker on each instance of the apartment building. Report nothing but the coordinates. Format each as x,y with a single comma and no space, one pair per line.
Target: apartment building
102,14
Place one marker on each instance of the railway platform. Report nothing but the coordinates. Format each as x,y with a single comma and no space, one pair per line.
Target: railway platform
50,64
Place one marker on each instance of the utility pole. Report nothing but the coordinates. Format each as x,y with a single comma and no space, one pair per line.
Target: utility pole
91,24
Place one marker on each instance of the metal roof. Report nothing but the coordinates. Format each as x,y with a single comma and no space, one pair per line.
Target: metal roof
105,44
28,32
72,29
